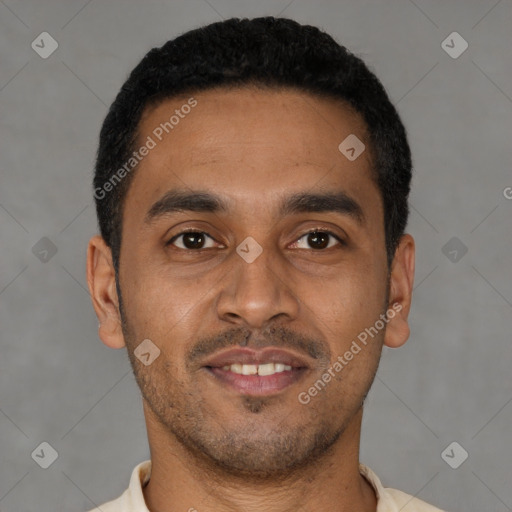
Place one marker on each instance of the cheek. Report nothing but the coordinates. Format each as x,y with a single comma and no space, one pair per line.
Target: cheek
350,301
163,310
159,310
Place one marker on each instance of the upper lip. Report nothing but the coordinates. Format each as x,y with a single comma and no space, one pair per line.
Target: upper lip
245,355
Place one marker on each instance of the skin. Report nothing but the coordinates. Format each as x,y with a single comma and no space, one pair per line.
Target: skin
212,448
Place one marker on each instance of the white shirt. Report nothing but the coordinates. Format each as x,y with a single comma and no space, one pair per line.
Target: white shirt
388,500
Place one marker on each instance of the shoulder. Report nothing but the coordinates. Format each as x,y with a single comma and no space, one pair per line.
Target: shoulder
393,500
117,505
407,503
132,500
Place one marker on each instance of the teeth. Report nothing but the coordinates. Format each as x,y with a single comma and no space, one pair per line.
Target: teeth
254,369
249,369
266,369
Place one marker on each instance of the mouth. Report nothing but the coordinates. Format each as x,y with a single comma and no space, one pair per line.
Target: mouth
257,372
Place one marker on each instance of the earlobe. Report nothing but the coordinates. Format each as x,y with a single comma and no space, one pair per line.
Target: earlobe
400,293
102,287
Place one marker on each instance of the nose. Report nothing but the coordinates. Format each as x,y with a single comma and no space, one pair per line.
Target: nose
255,294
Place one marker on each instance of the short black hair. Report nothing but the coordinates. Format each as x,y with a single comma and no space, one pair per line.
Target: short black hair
265,52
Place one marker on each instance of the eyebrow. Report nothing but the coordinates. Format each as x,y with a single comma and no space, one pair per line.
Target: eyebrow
178,200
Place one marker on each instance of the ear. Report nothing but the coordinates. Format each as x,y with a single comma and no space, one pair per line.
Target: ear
400,293
102,287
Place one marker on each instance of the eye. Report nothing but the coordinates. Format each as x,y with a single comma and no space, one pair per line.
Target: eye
191,240
319,239
196,240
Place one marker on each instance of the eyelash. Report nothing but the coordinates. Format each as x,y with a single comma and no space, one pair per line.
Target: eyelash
315,230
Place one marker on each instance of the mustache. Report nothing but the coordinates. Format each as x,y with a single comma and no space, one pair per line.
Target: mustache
275,336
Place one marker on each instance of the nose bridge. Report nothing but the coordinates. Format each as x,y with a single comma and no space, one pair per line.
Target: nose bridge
256,289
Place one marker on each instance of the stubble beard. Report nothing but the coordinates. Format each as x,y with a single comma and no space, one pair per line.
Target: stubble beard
249,452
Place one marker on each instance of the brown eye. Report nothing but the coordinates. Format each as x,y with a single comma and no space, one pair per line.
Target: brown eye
318,240
191,240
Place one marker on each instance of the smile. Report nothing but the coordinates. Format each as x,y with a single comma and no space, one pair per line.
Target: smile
260,369
257,372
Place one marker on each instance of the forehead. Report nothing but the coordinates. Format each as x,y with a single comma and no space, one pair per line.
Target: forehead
250,144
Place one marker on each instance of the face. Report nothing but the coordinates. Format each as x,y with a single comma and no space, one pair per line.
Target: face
253,256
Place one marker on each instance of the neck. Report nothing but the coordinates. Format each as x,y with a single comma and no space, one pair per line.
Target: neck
179,481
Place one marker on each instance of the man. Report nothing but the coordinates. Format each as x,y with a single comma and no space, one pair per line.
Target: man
251,188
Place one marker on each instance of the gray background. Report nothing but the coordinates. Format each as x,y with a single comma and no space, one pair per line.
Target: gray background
450,382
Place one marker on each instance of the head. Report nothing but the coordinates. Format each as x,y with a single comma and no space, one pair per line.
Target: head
296,246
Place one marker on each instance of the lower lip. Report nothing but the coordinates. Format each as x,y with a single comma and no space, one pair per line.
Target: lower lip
257,385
